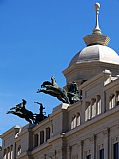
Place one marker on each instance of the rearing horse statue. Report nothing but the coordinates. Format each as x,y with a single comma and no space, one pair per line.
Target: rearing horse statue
22,112
70,96
54,90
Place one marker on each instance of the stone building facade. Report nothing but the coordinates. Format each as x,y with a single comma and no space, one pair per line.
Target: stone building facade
87,129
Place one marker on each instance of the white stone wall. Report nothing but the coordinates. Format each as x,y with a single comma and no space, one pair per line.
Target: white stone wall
69,138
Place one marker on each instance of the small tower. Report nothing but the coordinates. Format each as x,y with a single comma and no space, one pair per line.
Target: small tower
94,58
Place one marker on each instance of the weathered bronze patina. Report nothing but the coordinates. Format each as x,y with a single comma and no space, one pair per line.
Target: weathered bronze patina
21,111
70,96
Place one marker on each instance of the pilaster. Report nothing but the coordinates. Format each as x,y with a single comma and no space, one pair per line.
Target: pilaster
106,143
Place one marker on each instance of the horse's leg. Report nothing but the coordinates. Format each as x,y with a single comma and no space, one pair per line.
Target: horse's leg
27,119
34,121
10,112
12,108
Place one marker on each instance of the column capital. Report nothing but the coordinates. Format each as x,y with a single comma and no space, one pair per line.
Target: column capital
92,138
106,131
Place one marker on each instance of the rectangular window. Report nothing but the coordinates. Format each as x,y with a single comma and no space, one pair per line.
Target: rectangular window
101,154
47,133
41,137
98,104
115,151
88,157
36,138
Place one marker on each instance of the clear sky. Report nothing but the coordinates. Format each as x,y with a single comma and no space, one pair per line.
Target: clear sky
38,38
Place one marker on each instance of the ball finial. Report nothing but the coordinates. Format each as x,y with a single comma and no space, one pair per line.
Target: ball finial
97,6
97,28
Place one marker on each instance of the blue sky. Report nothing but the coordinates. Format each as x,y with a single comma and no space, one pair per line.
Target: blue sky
38,38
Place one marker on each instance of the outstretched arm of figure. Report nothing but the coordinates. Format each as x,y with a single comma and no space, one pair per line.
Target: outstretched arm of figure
38,103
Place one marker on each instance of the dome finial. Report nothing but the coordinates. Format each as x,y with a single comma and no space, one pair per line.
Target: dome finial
96,37
97,28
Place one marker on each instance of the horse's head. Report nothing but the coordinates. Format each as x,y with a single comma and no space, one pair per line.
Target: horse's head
24,101
38,91
43,85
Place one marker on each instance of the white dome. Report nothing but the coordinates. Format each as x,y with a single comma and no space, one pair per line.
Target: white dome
96,53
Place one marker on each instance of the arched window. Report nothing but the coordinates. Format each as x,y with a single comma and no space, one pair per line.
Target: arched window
117,98
88,111
47,133
8,153
78,122
112,101
73,122
11,151
98,104
19,150
41,137
36,138
93,107
5,154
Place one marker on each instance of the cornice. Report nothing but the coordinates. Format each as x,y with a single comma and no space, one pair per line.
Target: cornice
89,65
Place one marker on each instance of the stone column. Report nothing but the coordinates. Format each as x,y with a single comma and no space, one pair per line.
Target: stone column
7,153
104,103
93,107
45,135
91,104
115,94
14,150
82,113
30,139
98,105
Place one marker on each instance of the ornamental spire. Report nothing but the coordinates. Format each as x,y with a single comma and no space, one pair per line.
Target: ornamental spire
96,37
97,28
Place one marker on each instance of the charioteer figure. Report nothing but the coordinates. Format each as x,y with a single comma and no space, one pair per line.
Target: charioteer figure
39,117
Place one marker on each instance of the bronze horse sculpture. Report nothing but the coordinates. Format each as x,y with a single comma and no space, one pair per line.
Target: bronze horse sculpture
22,112
70,96
54,90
